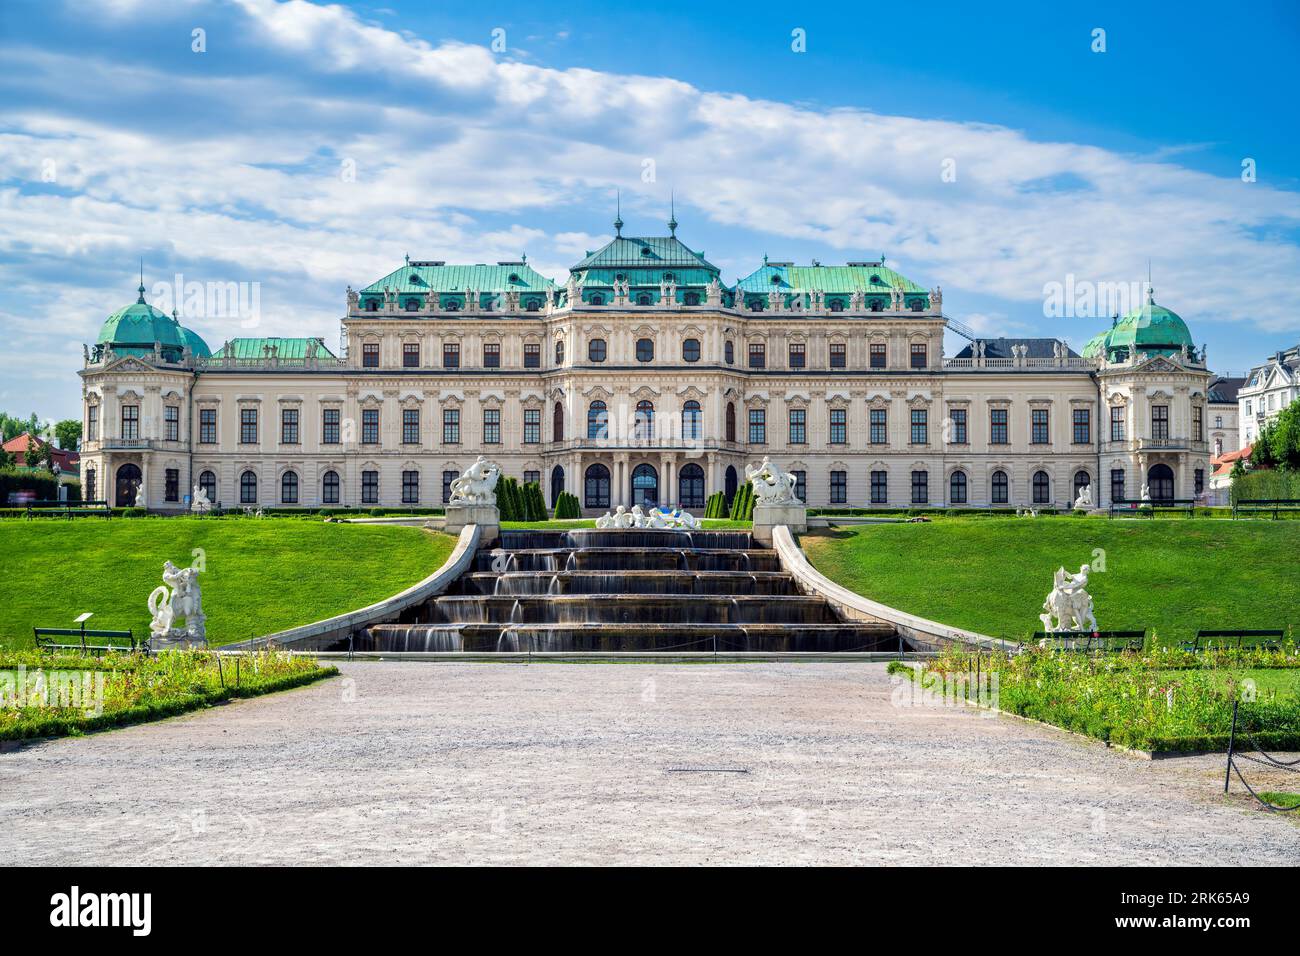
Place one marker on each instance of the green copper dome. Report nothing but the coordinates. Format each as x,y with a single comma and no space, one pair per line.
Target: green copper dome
1151,328
133,330
1095,345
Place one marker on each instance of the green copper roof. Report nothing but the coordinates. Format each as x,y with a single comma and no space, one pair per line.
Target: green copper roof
438,277
135,328
291,348
1095,345
1151,328
656,253
831,279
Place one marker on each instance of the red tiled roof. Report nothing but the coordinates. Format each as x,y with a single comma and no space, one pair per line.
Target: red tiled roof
18,446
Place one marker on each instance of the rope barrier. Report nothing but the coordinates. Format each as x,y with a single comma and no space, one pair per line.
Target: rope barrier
1269,761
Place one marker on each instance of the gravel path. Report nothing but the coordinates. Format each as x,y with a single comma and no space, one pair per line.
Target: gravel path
570,763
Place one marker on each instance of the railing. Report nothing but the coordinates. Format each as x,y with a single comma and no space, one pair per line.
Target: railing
999,364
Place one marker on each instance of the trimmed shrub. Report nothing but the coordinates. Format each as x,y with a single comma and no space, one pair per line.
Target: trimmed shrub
742,506
567,506
42,485
716,506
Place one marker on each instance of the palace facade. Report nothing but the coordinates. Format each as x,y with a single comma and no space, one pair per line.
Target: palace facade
643,378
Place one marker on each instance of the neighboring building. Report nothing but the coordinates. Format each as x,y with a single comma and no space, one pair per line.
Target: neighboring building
1221,474
1268,389
644,379
66,461
1225,435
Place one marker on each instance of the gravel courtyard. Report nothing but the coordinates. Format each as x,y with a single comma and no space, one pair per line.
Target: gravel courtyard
614,764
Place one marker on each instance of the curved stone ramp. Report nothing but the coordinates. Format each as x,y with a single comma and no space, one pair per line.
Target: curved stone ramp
919,632
331,630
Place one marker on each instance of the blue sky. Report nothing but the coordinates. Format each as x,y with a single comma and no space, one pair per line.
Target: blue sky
1063,164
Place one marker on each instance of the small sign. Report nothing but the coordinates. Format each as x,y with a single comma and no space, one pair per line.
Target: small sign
84,617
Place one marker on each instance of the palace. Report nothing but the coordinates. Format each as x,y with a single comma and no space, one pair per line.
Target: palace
643,378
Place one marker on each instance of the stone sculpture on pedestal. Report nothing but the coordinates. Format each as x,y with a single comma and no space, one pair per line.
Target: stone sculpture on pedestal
178,597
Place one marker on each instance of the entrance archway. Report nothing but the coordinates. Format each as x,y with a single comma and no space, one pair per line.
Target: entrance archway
128,485
645,486
557,484
730,481
1160,481
595,492
690,484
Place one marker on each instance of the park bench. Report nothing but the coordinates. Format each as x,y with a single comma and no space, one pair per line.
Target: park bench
1269,639
88,640
1102,642
1149,508
68,509
1265,506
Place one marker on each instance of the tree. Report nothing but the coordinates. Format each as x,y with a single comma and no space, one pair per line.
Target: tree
11,426
6,459
37,453
68,433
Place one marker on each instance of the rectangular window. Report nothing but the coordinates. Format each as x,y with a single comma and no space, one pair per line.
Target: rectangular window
172,484
90,484
370,426
92,423
757,426
839,487
1160,421
879,426
757,355
172,423
798,426
1198,424
410,355
920,487
798,353
878,355
838,355
1117,423
920,426
451,426
532,426
288,426
1082,426
491,426
329,432
248,426
447,478
410,487
491,355
958,417
207,426
410,426
532,355
130,422
1199,476
879,487
998,426
370,355
918,355
1117,484
532,478
800,485
451,355
1038,426
370,487
839,426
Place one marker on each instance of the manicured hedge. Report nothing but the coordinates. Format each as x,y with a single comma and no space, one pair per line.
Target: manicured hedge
567,506
42,484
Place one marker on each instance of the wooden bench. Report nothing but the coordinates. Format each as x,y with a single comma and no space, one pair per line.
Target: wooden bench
1265,506
1269,639
1149,508
68,509
1108,642
47,640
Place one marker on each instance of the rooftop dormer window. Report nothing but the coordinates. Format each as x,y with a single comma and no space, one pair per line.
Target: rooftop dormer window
837,305
514,277
646,251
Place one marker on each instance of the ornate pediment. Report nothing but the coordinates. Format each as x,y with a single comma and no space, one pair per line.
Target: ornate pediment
129,364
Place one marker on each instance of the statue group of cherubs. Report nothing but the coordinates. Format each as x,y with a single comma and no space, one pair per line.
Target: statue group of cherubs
658,518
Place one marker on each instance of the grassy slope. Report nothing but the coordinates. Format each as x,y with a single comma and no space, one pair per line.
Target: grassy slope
991,574
261,576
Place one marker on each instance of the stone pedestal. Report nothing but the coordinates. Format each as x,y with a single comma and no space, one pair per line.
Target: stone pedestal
487,517
767,517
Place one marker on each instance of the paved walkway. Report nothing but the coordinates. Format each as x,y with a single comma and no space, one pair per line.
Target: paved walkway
613,763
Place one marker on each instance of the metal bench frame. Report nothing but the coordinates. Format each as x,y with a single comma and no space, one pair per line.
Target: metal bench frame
44,640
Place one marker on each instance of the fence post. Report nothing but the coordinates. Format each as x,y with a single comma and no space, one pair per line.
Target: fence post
1232,739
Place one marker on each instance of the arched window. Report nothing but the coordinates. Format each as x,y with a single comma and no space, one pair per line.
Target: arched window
917,305
957,488
1160,482
1081,481
690,350
645,350
645,420
557,423
1001,491
559,351
877,305
412,305
756,305
453,305
597,420
730,481
596,350
595,487
690,486
289,488
557,484
208,483
731,422
837,305
691,417
330,488
692,298
532,305
1042,488
597,299
645,486
248,488
643,298
372,305
729,352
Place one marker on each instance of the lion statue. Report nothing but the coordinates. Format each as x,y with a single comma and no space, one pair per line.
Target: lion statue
477,486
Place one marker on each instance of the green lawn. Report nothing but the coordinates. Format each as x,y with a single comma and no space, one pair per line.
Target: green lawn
261,575
991,575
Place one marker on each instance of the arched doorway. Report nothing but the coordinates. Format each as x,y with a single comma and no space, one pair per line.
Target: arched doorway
595,492
729,483
1160,480
690,482
557,484
128,485
645,486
